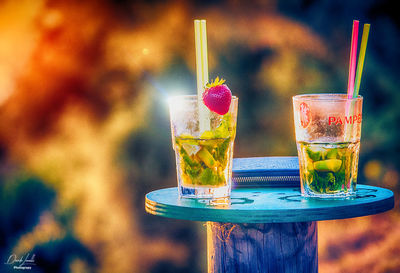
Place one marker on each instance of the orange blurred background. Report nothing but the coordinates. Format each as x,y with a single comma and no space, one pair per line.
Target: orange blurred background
84,128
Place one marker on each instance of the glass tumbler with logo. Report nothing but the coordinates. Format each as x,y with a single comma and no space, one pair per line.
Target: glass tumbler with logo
328,131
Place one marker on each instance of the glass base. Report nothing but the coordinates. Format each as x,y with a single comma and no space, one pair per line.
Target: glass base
205,192
338,195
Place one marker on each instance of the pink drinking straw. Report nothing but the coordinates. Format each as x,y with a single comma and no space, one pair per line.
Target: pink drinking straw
353,57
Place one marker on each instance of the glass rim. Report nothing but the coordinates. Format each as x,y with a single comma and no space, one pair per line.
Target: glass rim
326,97
192,97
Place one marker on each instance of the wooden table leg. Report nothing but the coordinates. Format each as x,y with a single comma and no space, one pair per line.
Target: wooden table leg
275,247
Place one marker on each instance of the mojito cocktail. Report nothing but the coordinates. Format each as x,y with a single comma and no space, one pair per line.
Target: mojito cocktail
328,130
203,131
328,168
203,158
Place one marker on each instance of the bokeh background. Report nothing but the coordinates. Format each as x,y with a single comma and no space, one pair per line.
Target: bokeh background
84,127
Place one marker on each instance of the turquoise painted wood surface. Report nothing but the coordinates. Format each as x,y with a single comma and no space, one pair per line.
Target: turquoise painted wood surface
262,248
268,205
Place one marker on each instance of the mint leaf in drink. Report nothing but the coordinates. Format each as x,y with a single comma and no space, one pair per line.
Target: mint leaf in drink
332,154
208,177
221,151
224,129
331,182
187,159
314,155
193,172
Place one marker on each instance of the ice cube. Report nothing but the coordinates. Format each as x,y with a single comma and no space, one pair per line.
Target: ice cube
191,149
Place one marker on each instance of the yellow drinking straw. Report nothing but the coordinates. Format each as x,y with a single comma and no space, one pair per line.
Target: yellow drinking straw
361,59
200,33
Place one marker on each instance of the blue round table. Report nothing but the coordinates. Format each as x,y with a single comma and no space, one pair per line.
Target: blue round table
265,229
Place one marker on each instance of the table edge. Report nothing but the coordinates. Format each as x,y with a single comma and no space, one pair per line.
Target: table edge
241,216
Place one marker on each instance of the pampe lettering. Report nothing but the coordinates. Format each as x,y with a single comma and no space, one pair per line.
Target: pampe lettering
335,120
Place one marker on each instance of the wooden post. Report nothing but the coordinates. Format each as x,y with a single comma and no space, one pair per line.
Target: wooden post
262,248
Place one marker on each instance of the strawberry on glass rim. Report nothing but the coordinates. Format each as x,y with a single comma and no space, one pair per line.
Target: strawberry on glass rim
217,96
